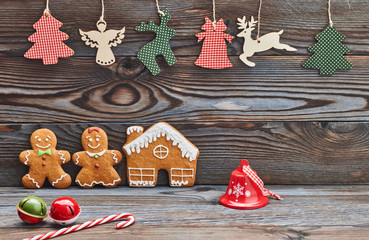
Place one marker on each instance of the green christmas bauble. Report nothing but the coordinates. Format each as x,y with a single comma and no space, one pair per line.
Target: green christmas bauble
33,206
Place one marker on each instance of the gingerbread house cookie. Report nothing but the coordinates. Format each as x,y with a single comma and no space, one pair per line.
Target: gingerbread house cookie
159,147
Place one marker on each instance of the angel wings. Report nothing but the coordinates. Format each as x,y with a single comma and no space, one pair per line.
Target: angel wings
103,41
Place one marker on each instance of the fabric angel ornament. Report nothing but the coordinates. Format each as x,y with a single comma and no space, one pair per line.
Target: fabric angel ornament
214,49
103,41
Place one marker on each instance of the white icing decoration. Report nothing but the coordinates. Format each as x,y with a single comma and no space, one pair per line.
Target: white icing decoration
77,158
182,182
161,151
141,182
42,147
61,177
98,145
62,156
132,129
33,180
162,129
114,156
98,154
101,182
28,153
178,183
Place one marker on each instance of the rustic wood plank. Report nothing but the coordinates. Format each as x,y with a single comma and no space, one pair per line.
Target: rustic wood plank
301,20
277,89
281,153
307,212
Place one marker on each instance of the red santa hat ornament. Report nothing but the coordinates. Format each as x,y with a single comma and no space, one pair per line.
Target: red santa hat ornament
246,190
64,211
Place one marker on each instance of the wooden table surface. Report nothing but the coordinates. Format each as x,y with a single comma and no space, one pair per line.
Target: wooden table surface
306,212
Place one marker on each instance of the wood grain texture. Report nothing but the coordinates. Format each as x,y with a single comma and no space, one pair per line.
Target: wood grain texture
281,153
301,20
278,89
307,212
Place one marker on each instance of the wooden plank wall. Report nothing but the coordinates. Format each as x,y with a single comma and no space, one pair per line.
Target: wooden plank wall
295,126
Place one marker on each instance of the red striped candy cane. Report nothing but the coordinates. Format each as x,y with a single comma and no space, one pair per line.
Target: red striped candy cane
56,233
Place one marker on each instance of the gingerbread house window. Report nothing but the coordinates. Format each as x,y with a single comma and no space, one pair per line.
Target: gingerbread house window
161,152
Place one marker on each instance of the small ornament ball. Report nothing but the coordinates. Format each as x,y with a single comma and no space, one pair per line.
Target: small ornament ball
64,211
32,209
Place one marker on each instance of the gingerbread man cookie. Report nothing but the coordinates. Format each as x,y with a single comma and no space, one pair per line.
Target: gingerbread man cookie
45,161
97,161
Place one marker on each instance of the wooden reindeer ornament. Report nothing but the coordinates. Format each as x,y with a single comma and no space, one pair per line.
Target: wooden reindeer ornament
265,42
103,40
159,46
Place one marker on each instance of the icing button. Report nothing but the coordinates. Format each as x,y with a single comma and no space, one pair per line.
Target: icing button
43,157
96,156
43,164
97,165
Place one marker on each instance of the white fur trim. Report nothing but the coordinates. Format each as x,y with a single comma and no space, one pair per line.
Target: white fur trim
101,182
62,156
33,180
62,176
27,157
160,130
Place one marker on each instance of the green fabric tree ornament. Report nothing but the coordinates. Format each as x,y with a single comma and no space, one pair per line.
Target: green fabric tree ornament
328,53
159,46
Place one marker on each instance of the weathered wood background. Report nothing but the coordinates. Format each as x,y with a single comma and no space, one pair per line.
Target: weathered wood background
295,126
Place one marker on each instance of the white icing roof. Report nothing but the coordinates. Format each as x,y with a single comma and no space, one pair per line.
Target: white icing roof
163,129
134,129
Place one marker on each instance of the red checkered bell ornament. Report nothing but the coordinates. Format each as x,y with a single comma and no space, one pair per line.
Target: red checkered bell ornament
246,190
48,41
214,49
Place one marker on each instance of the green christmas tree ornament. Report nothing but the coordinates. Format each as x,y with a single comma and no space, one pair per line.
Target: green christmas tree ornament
32,209
160,45
328,53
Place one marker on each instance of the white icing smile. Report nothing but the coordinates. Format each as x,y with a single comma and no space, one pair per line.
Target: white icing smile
42,146
98,145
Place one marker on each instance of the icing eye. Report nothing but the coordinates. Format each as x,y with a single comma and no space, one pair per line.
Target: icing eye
97,139
39,139
46,140
90,139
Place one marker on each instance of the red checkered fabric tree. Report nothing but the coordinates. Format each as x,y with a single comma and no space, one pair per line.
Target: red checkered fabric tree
214,49
48,41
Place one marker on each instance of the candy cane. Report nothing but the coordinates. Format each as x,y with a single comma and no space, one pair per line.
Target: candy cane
56,233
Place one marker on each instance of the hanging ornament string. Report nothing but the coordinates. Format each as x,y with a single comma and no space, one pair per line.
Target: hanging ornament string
102,10
329,14
214,19
47,10
259,19
159,11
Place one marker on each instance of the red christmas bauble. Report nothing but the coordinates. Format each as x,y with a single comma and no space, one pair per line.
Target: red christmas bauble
64,211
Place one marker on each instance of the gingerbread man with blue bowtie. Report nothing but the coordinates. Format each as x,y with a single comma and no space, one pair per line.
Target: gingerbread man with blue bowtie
45,161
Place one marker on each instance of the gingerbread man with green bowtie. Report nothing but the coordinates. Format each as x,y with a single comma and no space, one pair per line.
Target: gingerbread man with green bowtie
45,161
